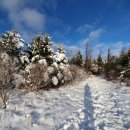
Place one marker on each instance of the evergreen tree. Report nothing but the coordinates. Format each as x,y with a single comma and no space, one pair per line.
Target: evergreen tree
60,56
47,52
95,61
129,64
108,63
123,59
61,49
129,58
12,42
128,53
40,48
78,59
36,45
99,60
72,60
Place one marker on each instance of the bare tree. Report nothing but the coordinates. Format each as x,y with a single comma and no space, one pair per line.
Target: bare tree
88,58
7,67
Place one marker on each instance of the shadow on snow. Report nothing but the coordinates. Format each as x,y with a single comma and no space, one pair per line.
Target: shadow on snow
88,123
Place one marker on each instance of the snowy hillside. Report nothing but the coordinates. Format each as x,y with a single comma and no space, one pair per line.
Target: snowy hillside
94,104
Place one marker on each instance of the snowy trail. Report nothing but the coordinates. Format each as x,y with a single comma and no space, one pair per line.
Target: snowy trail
94,104
111,105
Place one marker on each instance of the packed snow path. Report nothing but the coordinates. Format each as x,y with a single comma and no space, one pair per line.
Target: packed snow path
94,104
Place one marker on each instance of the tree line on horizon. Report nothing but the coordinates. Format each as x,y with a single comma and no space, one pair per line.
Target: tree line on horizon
40,48
111,67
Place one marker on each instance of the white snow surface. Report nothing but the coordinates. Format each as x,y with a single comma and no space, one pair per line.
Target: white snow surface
93,104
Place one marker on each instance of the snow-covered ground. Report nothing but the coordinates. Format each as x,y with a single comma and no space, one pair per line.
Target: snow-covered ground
94,104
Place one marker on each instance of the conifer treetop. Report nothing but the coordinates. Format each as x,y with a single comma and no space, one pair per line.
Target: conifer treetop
13,38
61,49
41,46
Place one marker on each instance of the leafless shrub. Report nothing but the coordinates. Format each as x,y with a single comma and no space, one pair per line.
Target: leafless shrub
42,77
7,69
77,72
37,78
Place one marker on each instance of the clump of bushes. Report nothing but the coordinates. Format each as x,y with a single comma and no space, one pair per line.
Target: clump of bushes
113,68
46,77
39,67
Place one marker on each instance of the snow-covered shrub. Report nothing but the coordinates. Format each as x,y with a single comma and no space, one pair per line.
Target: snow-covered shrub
55,65
60,57
50,70
35,59
19,80
67,75
94,68
46,77
4,57
126,73
24,59
29,67
125,77
43,62
60,76
77,72
37,78
70,73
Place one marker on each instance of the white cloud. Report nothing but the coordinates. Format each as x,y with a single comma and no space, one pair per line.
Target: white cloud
23,13
96,34
84,41
33,19
85,28
115,48
11,5
93,35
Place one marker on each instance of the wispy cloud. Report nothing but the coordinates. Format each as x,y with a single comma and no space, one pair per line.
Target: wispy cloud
93,35
85,28
33,19
20,14
96,34
27,16
115,48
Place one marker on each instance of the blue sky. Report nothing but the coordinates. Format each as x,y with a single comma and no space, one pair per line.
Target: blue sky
103,23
